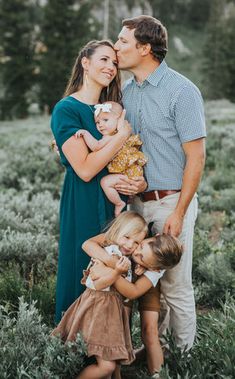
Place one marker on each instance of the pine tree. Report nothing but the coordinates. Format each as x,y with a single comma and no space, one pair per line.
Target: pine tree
228,52
66,27
219,55
17,56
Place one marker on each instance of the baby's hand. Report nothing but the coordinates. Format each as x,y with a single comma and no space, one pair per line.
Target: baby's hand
139,270
122,265
54,147
80,133
123,125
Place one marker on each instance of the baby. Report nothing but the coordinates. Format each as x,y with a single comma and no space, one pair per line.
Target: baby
128,161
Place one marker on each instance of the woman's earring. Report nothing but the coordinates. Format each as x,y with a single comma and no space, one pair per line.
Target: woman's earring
86,78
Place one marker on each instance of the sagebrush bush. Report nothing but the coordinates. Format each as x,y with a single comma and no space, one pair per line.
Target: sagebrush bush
28,351
212,355
29,232
13,286
24,212
29,164
35,252
213,270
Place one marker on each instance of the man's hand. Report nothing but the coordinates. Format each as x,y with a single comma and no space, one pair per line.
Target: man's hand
122,265
174,224
131,187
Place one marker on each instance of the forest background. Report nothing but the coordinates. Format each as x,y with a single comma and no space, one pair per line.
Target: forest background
39,41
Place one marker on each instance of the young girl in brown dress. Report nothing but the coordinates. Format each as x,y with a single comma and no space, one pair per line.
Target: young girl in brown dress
99,315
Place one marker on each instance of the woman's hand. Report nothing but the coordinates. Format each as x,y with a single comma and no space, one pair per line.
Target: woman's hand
122,265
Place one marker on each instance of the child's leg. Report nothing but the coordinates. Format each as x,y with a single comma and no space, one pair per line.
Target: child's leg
102,370
149,332
108,184
149,307
117,372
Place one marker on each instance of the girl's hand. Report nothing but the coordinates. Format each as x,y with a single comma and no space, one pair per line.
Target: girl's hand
98,269
122,265
139,270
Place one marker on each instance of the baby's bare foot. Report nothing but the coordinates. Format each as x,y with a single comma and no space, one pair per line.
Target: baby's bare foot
119,207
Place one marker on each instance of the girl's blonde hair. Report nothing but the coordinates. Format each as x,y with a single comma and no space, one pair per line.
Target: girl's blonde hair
126,224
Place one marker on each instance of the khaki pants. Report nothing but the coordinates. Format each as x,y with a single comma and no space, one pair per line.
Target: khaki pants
176,284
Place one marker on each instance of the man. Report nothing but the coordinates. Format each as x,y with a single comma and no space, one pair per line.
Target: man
166,109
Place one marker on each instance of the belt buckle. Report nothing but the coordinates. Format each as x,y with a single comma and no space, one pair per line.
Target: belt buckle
157,195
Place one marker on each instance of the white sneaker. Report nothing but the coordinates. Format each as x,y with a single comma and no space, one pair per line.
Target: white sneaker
155,376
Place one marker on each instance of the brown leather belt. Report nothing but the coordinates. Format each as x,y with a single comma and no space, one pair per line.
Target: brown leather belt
156,195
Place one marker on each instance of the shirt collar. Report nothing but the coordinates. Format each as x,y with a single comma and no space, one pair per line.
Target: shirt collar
155,76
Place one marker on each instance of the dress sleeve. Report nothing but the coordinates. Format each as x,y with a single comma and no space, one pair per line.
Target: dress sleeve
189,114
64,123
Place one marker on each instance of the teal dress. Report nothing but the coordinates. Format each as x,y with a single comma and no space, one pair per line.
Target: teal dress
84,208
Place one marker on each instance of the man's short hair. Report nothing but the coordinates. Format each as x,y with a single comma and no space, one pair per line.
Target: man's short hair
149,30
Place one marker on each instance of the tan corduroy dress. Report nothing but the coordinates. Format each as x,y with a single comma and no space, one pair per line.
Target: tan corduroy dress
101,319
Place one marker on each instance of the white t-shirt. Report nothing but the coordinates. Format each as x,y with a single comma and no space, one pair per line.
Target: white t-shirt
111,250
154,276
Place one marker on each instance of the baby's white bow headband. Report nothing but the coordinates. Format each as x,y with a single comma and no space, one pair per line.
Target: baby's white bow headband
102,108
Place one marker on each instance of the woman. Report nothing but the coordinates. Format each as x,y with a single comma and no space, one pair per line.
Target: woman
84,209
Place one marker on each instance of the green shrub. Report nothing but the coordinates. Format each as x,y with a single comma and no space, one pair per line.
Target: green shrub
27,350
29,164
44,295
34,254
29,232
13,286
23,212
213,270
212,355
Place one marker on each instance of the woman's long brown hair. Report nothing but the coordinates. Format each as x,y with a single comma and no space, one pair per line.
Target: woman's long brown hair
112,92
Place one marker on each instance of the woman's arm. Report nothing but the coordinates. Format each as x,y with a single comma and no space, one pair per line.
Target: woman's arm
94,250
87,165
